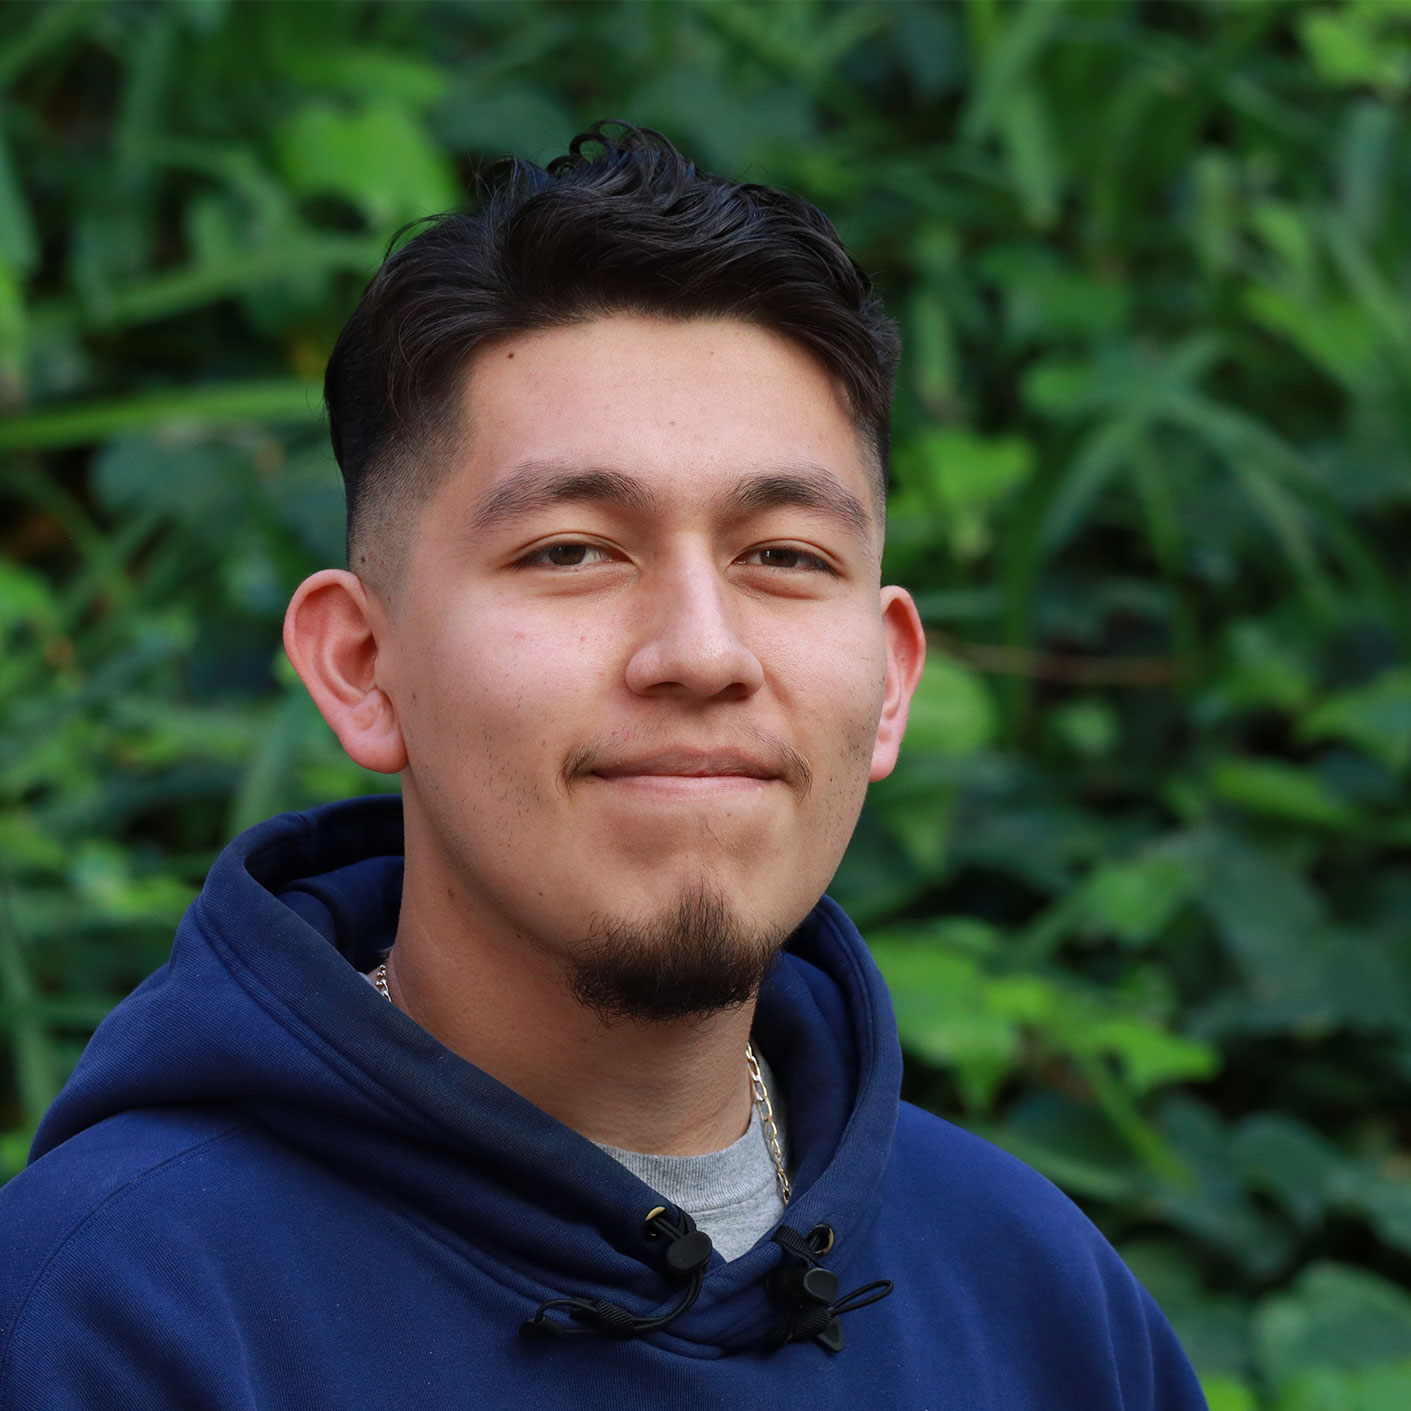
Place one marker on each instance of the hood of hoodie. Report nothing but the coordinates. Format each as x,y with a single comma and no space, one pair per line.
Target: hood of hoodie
262,1010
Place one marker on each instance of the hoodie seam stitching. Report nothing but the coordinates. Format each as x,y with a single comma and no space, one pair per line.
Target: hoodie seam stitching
63,1242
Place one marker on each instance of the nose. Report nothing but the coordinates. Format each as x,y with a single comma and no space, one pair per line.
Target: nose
690,642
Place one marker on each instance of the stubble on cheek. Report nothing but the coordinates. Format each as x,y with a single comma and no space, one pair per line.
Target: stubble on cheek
848,788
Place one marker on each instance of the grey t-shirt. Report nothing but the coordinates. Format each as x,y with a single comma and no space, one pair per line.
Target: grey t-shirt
733,1195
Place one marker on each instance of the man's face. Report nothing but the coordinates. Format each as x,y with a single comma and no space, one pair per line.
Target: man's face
639,651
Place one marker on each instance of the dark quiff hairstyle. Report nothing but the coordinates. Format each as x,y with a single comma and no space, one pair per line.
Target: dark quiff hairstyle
624,223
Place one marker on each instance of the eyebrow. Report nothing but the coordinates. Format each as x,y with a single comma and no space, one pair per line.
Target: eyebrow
806,487
536,486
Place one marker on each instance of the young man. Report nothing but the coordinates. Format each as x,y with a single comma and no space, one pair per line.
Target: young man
555,1083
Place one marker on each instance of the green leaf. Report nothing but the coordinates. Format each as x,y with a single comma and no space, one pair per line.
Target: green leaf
1062,387
1265,908
1033,158
1213,1328
380,159
1368,146
729,124
1286,1159
1385,1388
179,471
14,1149
1335,334
1227,1394
183,408
1209,1200
1047,300
951,712
1349,46
965,476
364,74
1099,460
1283,791
942,1015
1261,670
38,1067
1073,1145
1149,1054
19,244
920,819
1333,1316
1215,220
958,1014
15,354
1375,718
1380,1192
934,356
103,878
25,598
476,117
1089,726
1134,900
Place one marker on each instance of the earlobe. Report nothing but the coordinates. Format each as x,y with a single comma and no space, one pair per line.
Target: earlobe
331,639
906,655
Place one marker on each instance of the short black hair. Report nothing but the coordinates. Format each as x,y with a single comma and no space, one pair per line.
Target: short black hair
624,223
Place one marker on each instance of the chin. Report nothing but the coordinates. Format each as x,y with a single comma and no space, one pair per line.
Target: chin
694,955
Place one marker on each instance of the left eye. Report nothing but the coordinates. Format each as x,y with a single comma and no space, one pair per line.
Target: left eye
788,558
565,556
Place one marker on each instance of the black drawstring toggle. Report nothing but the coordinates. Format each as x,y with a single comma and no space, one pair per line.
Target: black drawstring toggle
806,1285
802,1283
812,1291
689,1252
688,1256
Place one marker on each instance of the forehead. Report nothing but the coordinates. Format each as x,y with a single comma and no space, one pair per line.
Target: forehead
686,405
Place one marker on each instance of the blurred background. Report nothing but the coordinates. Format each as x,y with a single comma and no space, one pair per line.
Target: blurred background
1141,882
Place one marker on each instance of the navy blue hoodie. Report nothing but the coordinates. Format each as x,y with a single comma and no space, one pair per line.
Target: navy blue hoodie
265,1187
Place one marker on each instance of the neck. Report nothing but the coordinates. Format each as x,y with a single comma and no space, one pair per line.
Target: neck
674,1089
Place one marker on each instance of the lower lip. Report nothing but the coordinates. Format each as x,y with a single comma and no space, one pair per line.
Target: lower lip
687,786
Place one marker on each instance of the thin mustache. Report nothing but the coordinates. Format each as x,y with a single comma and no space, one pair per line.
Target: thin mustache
776,756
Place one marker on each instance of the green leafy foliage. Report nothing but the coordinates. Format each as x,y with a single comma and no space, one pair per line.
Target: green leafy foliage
1140,881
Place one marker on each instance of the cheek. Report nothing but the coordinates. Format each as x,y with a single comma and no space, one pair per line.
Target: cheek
842,678
500,700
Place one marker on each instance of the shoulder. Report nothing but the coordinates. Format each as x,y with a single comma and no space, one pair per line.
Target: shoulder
55,1196
979,1200
970,1168
1031,1262
1026,1252
81,1219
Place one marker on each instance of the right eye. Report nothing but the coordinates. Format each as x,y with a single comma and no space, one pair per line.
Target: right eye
569,555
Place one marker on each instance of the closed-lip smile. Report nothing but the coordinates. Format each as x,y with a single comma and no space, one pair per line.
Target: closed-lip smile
685,768
688,764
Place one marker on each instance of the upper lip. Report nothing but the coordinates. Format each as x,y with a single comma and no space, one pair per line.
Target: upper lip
691,764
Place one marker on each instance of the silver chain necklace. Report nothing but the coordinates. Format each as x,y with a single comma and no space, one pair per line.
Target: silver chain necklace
757,1088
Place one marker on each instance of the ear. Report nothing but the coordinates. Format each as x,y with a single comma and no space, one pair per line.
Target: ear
330,634
906,655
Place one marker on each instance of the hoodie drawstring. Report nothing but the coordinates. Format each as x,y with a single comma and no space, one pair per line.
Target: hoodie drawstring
687,1255
811,1291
